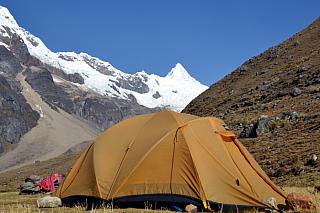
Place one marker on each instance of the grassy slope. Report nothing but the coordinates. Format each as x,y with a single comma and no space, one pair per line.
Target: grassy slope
262,87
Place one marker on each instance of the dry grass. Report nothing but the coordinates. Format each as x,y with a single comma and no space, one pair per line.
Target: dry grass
12,202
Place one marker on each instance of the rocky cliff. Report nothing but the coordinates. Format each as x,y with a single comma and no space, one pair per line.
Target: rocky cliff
16,115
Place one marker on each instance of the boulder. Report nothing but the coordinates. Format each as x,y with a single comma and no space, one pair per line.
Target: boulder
299,201
263,125
260,127
49,202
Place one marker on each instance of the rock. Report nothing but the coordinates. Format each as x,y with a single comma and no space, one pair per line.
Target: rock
315,80
33,179
263,125
49,202
295,92
260,127
296,43
9,64
243,68
29,188
1,147
76,78
290,115
156,95
312,161
42,82
96,64
296,170
220,115
191,208
309,117
134,83
272,201
299,201
20,49
248,131
16,115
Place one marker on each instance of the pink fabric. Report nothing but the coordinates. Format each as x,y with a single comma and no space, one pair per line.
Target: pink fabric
48,183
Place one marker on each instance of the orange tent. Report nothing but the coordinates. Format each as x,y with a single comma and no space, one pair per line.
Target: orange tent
170,157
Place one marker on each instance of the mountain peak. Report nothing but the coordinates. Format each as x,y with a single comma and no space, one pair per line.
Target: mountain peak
6,19
176,89
179,72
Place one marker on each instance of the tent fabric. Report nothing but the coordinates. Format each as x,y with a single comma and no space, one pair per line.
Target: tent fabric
168,153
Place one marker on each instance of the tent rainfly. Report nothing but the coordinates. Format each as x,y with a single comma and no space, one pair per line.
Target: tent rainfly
169,157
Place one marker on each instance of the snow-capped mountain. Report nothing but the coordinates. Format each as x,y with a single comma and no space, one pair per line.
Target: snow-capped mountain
174,91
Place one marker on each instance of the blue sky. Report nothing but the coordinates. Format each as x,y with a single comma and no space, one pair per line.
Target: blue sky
210,38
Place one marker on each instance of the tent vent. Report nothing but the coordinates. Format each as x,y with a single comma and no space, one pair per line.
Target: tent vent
238,182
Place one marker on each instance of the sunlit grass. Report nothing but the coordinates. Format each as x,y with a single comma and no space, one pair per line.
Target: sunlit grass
12,202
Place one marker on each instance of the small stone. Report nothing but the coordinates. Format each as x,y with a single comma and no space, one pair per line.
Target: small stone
243,68
295,92
191,208
303,69
272,201
297,171
312,161
220,115
268,162
290,115
296,43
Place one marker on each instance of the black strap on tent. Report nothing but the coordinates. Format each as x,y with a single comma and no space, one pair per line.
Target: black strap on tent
118,171
172,163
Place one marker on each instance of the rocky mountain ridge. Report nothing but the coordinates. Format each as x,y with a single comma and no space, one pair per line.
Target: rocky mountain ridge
273,102
173,91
